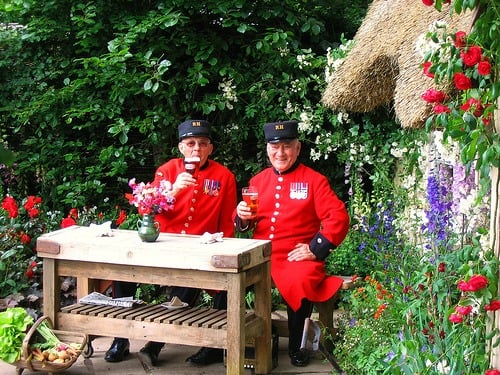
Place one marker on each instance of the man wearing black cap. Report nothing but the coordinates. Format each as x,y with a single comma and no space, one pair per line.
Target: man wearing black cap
304,219
204,202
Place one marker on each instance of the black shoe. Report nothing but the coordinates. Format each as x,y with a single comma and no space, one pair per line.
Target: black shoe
207,356
299,358
119,349
152,349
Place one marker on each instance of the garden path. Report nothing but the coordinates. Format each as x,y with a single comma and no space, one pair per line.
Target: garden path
172,361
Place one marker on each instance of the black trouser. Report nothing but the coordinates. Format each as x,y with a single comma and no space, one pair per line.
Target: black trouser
296,321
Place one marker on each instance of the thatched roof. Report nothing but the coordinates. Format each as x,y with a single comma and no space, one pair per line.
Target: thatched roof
384,64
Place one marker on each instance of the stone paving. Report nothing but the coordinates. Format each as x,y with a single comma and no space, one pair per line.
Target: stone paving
172,361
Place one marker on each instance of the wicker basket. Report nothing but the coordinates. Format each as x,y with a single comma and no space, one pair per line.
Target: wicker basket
27,362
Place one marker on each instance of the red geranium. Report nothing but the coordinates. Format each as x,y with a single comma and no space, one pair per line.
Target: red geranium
67,222
462,82
30,272
25,239
121,217
10,205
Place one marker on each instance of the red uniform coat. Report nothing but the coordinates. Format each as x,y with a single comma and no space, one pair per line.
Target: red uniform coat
299,206
206,207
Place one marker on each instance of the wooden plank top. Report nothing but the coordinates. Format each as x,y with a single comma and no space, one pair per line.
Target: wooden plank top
169,251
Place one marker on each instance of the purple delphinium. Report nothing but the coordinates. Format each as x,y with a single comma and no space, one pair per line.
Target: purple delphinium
438,212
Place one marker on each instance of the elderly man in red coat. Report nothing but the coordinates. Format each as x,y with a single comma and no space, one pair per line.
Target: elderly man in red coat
204,202
304,219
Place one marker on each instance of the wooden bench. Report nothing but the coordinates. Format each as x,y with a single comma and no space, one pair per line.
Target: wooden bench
232,265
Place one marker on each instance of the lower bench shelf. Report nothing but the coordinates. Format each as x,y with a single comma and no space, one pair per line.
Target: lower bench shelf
195,326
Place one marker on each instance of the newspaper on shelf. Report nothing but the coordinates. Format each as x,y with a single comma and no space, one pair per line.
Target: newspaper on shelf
96,298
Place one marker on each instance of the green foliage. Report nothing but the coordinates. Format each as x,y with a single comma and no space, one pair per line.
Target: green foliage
91,93
466,115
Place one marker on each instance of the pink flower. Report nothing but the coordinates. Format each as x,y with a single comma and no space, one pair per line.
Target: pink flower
484,67
455,318
151,199
472,56
460,39
434,96
462,82
493,305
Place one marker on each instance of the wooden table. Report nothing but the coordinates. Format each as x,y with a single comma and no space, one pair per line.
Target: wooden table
182,260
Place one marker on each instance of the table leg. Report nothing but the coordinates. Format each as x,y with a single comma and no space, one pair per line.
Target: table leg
236,324
263,347
51,290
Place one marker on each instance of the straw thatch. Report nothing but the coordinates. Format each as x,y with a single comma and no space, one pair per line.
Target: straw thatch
384,64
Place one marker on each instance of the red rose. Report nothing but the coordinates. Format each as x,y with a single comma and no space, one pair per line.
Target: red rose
463,310
477,282
484,68
460,39
9,204
473,105
427,66
428,2
441,108
492,372
434,96
455,318
472,56
493,305
462,82
25,239
67,222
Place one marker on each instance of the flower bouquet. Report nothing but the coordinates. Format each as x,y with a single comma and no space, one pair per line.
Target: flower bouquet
149,200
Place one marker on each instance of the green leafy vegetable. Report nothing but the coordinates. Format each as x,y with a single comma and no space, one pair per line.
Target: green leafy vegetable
14,323
51,340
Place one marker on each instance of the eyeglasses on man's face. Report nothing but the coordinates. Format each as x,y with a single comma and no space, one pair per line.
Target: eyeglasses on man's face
191,143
